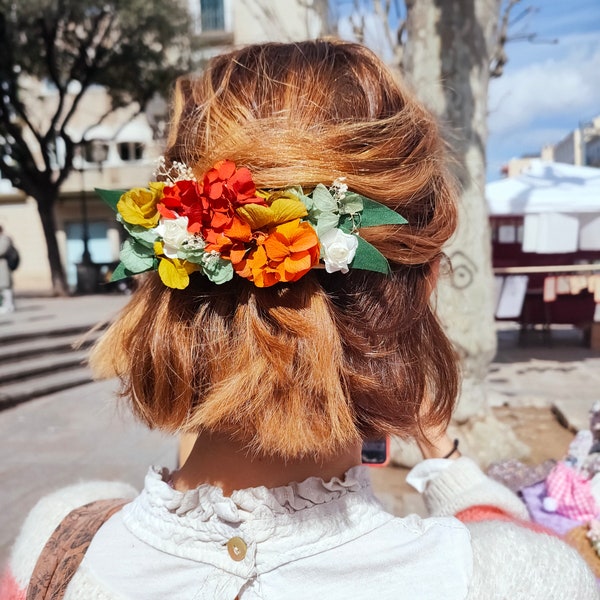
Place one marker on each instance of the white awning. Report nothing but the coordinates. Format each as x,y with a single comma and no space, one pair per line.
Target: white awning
560,204
546,187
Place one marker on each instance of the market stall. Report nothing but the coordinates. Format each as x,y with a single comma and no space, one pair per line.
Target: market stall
546,245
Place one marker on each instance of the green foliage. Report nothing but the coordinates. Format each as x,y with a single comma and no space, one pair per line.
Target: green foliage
369,258
111,197
134,48
55,50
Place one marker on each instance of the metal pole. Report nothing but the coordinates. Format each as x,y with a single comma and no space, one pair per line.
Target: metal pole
86,257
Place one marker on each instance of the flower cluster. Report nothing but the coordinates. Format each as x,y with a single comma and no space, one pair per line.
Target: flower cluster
222,225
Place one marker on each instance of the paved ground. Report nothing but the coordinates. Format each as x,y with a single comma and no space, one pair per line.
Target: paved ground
558,371
67,437
82,432
36,315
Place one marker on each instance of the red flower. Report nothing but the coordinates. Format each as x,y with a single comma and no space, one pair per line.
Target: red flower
224,189
182,199
210,206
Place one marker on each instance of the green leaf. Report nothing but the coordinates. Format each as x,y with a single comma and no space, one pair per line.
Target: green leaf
375,213
218,271
368,258
136,257
120,273
351,203
323,200
111,197
193,255
143,235
326,222
346,223
307,200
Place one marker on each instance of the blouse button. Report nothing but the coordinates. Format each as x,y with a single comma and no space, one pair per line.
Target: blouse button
236,547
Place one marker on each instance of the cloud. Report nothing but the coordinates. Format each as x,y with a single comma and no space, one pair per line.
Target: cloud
550,88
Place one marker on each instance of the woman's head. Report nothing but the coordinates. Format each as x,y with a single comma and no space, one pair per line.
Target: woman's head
308,367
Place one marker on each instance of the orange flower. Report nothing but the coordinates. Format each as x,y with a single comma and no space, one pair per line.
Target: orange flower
224,189
210,206
285,254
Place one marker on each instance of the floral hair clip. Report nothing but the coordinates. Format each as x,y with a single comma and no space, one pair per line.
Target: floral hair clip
222,225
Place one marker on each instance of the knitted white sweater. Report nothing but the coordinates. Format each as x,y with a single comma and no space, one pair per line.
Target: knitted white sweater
314,539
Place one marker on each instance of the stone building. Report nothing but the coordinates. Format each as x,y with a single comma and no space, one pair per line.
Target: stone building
581,147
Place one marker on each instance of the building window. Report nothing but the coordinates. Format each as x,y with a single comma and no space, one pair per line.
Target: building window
212,15
129,151
95,151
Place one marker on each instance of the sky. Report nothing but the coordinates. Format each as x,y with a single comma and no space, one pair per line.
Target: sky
549,85
547,89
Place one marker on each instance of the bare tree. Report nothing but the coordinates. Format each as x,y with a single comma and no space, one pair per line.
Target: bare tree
133,48
449,51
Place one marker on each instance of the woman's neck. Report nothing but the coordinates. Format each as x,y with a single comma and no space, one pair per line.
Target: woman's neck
219,461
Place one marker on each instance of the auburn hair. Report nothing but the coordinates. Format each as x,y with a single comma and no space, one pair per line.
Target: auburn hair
312,366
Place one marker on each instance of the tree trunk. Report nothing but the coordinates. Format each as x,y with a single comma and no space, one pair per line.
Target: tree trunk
447,58
46,211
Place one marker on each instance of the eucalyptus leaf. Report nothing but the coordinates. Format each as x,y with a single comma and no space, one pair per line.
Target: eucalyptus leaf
307,200
218,271
326,222
368,258
351,203
194,255
136,257
323,200
143,235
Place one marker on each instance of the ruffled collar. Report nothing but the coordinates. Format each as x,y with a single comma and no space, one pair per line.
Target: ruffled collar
207,500
278,524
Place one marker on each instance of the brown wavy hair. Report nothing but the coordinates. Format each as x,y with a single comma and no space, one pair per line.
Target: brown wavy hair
309,367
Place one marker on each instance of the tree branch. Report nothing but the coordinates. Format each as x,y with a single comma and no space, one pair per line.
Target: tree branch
499,57
15,132
89,74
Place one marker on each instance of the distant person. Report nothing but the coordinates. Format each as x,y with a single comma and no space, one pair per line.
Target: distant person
293,241
9,261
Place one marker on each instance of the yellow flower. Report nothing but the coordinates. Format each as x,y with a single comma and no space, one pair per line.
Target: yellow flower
175,273
281,210
138,205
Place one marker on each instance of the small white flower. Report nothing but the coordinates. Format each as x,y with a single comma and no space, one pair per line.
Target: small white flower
195,243
339,188
173,233
209,259
339,249
178,171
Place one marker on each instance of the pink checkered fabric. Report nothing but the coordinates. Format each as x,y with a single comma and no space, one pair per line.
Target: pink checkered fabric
572,493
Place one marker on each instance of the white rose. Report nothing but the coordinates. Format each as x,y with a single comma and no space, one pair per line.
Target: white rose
173,232
339,249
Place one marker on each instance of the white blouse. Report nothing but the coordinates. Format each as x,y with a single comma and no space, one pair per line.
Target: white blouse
312,539
308,540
